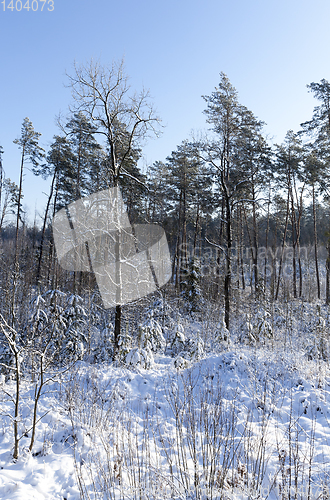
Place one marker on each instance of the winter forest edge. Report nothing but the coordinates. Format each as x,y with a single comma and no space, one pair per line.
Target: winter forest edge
216,386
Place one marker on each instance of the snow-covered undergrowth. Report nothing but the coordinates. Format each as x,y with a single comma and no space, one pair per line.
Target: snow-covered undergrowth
245,423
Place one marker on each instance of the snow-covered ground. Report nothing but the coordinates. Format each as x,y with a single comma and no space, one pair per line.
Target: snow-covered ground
244,423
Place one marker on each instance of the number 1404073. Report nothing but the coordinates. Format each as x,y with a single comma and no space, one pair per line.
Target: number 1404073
27,5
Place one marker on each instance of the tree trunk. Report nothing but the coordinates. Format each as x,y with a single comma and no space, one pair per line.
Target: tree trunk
196,230
16,263
294,270
315,246
16,413
283,246
252,248
294,243
183,266
117,328
227,283
266,248
176,261
1,178
37,395
255,243
327,289
228,268
241,250
44,228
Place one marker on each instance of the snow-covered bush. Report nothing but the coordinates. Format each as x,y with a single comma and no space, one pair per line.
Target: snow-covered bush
178,342
188,349
5,357
150,340
99,334
279,319
194,349
263,325
101,348
180,363
140,357
221,331
151,334
74,338
317,345
190,285
257,328
125,345
60,321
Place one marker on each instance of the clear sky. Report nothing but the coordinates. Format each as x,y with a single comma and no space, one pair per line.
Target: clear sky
269,49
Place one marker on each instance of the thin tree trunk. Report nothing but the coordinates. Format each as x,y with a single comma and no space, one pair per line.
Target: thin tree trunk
227,286
36,400
44,227
266,249
176,261
327,288
183,267
241,251
16,263
296,226
294,242
250,243
283,246
227,281
315,245
238,246
294,271
16,412
274,263
196,230
117,329
1,178
255,242
221,230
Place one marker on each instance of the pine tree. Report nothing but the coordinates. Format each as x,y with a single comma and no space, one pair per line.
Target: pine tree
289,175
9,199
31,152
319,129
230,122
158,204
191,290
59,167
252,164
189,196
86,150
313,174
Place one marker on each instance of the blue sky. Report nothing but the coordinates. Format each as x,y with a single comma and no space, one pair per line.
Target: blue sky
269,49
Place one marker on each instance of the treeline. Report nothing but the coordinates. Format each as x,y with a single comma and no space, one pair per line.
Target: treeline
231,203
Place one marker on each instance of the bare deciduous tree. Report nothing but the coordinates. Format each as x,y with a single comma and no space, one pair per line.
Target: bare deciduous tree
124,118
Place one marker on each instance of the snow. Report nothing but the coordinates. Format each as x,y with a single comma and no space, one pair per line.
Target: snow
105,422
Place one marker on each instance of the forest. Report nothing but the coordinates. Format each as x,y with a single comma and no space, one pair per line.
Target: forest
215,386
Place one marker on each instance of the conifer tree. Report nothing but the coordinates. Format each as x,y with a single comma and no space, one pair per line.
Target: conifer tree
33,153
319,129
289,176
188,196
80,134
59,167
228,120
